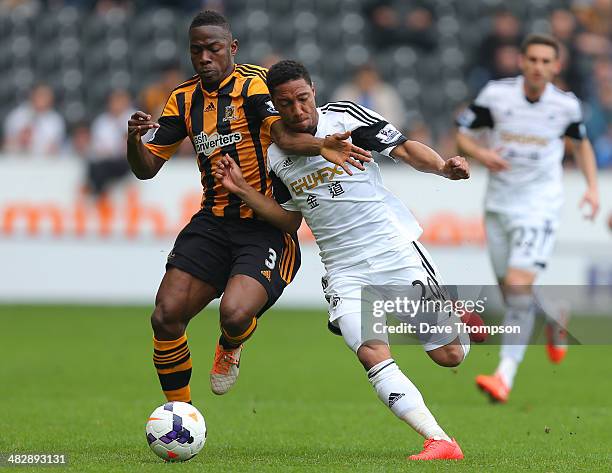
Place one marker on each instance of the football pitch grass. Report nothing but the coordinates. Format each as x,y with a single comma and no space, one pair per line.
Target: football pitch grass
80,381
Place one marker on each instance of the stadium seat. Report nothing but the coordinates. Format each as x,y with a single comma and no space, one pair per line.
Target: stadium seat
101,50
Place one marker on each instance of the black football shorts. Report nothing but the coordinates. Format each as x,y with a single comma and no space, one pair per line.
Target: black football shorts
213,249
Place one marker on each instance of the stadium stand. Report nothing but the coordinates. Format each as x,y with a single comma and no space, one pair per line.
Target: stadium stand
429,51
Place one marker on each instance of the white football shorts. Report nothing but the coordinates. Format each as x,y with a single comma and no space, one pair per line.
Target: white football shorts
391,272
519,241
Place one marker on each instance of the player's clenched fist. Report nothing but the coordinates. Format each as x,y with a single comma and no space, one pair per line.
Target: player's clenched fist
456,168
139,123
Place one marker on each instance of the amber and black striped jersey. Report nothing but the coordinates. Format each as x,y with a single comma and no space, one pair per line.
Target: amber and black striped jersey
233,119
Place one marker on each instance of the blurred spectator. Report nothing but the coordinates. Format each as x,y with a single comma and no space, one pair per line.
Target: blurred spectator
107,162
505,62
506,31
602,69
369,90
190,7
446,145
35,127
393,24
603,149
80,141
601,73
154,97
30,6
497,53
105,6
594,16
418,131
583,27
563,28
563,25
270,59
600,111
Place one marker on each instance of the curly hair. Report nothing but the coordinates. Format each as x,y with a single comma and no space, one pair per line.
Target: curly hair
285,71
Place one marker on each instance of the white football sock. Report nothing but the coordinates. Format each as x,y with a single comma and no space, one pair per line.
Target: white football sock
404,399
520,313
464,339
507,370
554,310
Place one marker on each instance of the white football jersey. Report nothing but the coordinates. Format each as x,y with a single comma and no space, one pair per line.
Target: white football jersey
351,217
529,135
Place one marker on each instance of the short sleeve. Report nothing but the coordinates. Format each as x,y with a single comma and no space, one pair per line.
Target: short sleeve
369,130
165,140
478,114
381,137
258,98
576,129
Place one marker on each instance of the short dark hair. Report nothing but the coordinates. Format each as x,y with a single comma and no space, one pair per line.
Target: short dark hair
210,18
285,71
544,39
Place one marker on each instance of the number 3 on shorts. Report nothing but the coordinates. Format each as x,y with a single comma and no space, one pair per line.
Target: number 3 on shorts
271,261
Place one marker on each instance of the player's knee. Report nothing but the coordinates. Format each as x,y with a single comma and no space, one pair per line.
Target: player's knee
448,356
370,354
167,320
513,284
454,356
234,317
518,281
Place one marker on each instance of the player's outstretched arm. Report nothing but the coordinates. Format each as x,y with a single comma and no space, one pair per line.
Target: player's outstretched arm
335,148
228,173
144,164
488,157
424,159
585,157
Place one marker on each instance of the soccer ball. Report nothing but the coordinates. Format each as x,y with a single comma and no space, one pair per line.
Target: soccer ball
176,431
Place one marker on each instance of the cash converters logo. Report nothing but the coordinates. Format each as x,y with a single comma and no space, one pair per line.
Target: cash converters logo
207,145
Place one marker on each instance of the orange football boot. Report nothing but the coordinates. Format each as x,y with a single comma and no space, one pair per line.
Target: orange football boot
494,387
225,369
556,339
439,450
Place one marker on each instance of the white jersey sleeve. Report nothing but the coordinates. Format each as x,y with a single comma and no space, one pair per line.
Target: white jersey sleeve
478,114
369,130
576,129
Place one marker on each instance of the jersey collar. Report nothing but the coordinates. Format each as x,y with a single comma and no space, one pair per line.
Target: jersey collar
223,83
545,93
